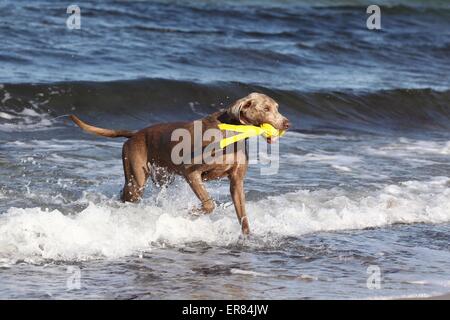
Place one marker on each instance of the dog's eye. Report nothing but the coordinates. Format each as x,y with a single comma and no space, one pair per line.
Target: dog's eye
267,108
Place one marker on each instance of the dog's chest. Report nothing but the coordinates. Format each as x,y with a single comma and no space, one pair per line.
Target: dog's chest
227,164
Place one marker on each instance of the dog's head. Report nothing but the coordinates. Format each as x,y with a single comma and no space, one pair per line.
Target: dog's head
256,109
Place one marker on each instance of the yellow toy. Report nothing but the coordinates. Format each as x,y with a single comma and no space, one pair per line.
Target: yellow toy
246,131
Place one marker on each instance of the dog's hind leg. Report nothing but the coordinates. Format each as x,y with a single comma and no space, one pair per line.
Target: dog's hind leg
136,171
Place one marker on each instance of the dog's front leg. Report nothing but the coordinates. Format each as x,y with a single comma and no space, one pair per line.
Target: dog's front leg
195,181
238,196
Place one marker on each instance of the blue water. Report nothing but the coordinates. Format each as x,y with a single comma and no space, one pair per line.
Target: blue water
363,182
295,45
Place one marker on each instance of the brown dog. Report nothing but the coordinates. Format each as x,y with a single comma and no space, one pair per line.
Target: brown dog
149,153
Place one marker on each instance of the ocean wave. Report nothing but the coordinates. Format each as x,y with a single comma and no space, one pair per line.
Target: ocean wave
137,103
407,148
107,229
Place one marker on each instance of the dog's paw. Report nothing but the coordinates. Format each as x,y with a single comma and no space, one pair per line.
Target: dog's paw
244,226
195,212
204,209
244,237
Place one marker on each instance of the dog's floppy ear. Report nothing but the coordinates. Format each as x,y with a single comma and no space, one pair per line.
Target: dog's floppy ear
235,110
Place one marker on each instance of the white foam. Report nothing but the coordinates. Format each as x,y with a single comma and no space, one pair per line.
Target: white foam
6,97
402,297
6,116
404,147
314,136
307,277
28,119
108,229
335,160
249,273
341,168
439,283
61,145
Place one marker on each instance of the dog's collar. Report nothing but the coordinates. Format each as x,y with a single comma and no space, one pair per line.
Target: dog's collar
247,131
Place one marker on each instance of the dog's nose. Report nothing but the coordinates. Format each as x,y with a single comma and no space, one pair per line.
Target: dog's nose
286,124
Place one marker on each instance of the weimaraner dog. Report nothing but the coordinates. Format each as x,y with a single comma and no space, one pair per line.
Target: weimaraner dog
148,153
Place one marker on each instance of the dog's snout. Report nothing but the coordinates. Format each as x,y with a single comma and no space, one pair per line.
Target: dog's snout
286,124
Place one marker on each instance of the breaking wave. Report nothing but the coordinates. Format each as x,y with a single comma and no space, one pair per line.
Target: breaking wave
109,230
137,103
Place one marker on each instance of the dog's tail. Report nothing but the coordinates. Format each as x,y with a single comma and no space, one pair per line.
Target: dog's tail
100,131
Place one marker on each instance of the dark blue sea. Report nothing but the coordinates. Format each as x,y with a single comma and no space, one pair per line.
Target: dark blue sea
363,187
